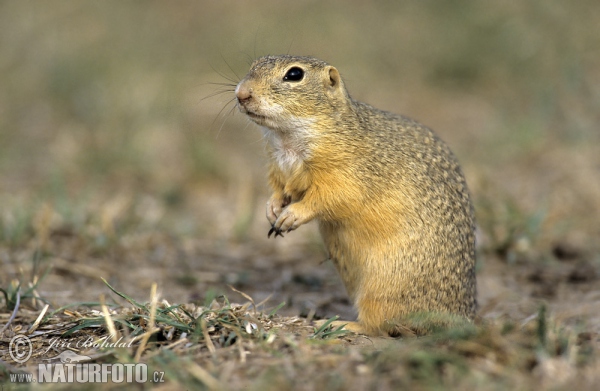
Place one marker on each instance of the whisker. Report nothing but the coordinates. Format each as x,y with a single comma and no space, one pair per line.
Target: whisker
290,47
216,93
212,83
229,66
223,75
255,39
223,108
262,138
229,113
221,84
249,59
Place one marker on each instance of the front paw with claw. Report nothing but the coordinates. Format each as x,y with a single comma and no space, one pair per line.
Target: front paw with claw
289,219
275,207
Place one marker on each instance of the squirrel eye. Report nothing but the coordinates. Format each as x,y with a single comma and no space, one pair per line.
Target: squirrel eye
294,74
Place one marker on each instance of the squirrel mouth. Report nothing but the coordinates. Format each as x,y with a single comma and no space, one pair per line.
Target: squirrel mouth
258,118
255,117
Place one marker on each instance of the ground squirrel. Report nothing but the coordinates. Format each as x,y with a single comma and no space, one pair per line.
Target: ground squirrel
391,201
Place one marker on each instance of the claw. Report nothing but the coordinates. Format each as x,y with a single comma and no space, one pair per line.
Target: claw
277,232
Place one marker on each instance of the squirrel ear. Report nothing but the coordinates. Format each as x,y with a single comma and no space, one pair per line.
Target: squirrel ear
334,81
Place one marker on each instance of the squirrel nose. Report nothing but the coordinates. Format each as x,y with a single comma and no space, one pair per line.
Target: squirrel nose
243,92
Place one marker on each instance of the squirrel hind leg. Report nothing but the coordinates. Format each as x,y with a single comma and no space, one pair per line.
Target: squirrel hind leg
400,331
427,323
394,331
354,327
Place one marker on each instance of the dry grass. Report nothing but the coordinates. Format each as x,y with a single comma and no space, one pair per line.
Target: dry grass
231,346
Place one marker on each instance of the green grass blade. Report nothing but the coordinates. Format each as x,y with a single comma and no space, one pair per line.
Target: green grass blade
124,296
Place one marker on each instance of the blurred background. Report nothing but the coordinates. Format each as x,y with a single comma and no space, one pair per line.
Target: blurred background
122,155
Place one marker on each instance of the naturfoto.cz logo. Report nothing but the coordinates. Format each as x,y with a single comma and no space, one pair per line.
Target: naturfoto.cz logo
70,367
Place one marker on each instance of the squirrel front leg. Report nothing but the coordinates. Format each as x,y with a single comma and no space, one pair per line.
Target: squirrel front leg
303,196
293,216
309,199
275,206
285,215
291,204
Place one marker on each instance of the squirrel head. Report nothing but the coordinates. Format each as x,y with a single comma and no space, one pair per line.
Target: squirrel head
285,92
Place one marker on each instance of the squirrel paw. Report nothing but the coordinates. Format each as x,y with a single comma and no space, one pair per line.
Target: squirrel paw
290,218
275,206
